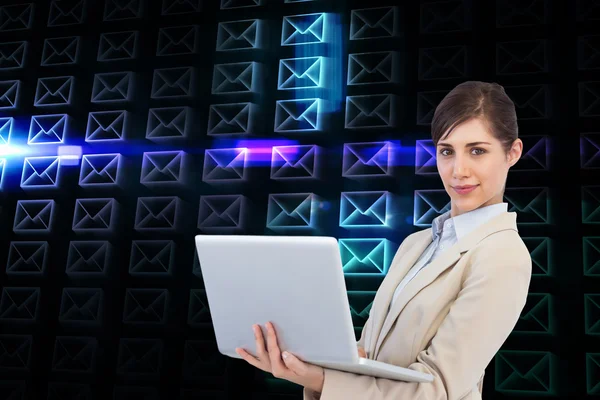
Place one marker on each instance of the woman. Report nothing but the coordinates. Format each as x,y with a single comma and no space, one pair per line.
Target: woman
453,292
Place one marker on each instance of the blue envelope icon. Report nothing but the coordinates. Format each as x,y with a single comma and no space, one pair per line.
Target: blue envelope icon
152,257
291,210
300,73
167,123
99,169
361,303
27,258
234,78
425,158
294,162
112,87
429,204
297,115
237,118
371,23
371,111
157,213
303,29
6,127
367,159
88,257
34,216
54,91
94,215
364,256
222,213
40,172
104,126
9,94
238,35
47,129
60,51
162,167
364,209
225,165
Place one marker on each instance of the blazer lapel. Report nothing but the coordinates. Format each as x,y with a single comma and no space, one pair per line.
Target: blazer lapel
384,294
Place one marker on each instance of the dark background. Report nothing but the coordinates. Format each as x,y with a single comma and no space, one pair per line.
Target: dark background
81,318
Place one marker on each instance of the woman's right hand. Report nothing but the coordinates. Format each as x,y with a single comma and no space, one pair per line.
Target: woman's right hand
361,352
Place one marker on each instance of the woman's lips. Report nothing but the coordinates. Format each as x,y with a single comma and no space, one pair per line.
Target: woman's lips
464,189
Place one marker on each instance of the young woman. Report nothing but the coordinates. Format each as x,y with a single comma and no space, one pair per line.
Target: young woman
455,291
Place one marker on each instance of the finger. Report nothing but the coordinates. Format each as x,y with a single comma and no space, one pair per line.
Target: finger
361,352
295,364
277,364
248,357
260,342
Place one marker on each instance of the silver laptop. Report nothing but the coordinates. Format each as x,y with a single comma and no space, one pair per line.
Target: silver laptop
295,282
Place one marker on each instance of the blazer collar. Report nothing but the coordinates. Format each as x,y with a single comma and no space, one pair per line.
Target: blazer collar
384,321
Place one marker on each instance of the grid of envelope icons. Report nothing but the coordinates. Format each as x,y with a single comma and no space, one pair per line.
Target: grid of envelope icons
104,174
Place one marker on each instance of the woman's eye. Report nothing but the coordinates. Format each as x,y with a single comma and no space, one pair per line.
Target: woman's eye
445,152
478,152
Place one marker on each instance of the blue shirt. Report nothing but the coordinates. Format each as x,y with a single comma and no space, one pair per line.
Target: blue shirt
447,231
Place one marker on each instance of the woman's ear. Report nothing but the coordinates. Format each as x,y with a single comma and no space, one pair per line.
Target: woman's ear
515,152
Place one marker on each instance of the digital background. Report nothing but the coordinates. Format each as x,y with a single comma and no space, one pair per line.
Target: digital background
129,126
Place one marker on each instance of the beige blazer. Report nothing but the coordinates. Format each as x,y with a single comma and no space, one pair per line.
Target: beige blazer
449,321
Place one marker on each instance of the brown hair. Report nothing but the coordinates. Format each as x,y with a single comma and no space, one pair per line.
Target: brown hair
474,99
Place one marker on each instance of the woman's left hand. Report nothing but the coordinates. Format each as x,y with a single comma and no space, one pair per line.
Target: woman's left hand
283,366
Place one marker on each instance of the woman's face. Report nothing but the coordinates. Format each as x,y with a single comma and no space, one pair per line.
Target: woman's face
473,166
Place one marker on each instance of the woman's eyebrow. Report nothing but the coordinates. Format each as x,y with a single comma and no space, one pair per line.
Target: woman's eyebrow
467,145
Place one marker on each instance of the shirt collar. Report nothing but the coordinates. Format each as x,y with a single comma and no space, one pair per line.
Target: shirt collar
465,223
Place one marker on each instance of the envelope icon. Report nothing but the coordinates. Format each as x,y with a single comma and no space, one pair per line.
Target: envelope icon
588,52
291,210
81,305
157,213
12,54
118,46
140,357
371,111
532,101
530,371
199,311
145,306
152,257
371,23
446,16
294,162
60,51
40,172
88,257
222,213
34,216
27,258
360,306
230,118
532,204
297,115
238,35
523,56
589,149
106,126
94,215
539,249
589,99
592,308
62,14
425,158
367,159
372,68
19,303
172,82
364,256
202,357
591,256
225,165
167,123
234,78
54,91
173,7
99,169
537,156
363,209
6,125
122,9
16,17
427,102
593,367
515,13
300,73
162,167
429,204
443,62
15,353
303,29
590,207
74,354
112,87
47,129
536,317
177,40
227,4
9,94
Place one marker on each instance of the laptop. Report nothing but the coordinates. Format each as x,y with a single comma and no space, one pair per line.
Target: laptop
297,283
